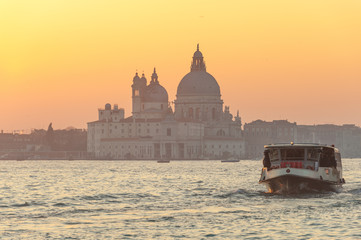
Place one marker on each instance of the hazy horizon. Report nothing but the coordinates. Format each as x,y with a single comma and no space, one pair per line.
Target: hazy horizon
62,60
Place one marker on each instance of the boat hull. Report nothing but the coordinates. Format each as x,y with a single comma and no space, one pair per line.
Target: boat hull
295,184
287,181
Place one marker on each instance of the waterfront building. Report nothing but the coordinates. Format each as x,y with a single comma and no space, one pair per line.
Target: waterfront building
259,133
347,137
200,127
39,144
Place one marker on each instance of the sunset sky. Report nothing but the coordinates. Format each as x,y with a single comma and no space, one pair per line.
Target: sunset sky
61,60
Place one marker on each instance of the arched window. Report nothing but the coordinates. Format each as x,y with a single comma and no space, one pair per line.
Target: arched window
198,113
190,113
221,133
213,113
205,114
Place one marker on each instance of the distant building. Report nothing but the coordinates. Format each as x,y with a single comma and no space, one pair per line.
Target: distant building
13,141
63,143
199,127
346,137
259,133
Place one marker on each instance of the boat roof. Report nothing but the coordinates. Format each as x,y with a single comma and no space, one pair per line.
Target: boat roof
297,145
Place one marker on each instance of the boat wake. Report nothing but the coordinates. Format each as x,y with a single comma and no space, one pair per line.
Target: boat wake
241,192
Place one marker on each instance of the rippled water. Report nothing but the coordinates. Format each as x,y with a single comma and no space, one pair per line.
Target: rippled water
145,199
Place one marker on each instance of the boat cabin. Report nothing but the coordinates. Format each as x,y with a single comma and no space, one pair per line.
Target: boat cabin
306,156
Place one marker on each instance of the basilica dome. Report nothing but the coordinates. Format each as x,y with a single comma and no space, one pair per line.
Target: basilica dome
198,81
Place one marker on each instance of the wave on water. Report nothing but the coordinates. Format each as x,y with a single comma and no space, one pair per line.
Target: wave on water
103,198
160,219
99,197
203,189
60,205
76,223
25,204
239,192
75,212
57,213
354,191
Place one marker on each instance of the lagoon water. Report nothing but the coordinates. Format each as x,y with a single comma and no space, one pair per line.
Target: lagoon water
176,200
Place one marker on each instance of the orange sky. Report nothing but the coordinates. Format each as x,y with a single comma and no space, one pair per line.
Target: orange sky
60,60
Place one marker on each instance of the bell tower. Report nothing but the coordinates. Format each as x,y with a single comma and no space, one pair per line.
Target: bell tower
138,88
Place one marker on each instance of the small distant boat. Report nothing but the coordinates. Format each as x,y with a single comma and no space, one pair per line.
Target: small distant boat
294,168
163,161
230,160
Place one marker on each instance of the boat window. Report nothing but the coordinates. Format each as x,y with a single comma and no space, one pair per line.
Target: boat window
312,154
338,159
273,154
327,158
293,154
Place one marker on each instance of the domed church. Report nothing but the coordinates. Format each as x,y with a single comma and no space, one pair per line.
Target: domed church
149,101
198,94
198,128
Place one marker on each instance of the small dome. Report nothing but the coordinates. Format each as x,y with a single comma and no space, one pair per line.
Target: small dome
136,77
108,106
198,83
143,80
197,54
155,93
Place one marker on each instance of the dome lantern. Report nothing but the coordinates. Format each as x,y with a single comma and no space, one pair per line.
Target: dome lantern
198,63
154,77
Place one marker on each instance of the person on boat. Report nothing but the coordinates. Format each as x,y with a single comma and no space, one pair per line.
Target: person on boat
266,159
328,158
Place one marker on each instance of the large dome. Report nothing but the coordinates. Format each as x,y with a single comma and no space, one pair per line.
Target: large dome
198,83
155,93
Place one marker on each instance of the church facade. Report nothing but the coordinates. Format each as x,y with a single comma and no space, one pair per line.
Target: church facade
199,127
